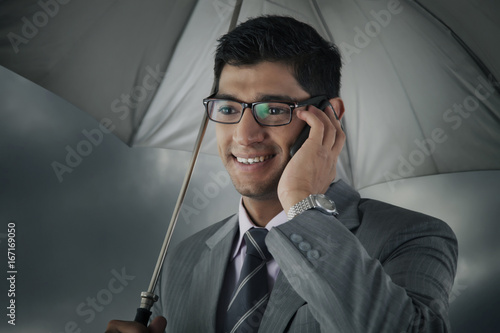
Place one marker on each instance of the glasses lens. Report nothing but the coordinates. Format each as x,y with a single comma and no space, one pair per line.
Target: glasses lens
224,111
272,113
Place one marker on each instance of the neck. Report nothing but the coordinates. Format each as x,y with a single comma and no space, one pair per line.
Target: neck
262,211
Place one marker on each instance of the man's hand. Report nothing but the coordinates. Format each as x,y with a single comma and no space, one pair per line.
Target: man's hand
313,167
158,325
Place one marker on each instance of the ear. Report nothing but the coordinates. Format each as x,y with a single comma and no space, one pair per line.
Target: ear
338,106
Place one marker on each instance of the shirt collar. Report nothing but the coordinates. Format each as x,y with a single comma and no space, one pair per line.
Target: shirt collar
245,224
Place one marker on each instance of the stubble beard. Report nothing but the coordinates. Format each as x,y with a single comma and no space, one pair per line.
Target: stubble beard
260,191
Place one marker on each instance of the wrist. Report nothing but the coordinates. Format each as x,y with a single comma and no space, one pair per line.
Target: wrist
290,199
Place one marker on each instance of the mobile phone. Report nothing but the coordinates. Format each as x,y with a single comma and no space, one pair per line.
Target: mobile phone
304,134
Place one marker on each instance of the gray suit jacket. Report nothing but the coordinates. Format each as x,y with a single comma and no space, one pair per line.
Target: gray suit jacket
374,268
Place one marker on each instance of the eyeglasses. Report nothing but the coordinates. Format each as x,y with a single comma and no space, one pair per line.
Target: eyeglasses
272,113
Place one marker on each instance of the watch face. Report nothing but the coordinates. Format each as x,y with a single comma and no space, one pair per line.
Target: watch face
324,202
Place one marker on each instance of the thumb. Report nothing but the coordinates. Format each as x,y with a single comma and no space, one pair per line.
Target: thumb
158,325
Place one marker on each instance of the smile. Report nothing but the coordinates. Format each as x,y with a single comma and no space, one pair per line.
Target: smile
257,159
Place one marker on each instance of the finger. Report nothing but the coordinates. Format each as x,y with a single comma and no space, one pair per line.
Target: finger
158,325
327,118
317,126
331,132
340,138
335,112
331,113
120,326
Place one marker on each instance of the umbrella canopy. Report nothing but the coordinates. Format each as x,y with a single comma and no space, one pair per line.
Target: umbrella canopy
419,78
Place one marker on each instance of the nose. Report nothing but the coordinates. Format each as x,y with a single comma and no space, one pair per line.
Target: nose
248,131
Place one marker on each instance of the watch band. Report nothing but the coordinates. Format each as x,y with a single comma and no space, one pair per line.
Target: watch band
319,201
299,208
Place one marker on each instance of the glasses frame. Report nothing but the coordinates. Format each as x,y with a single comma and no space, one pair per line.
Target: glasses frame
315,101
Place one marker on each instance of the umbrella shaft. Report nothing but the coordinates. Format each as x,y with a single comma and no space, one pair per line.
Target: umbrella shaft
177,209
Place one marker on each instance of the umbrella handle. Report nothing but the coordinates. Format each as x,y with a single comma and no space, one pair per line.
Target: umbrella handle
142,316
143,312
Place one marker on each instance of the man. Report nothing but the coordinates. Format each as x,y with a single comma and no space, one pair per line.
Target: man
362,266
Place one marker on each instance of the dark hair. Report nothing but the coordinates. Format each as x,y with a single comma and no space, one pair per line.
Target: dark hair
315,62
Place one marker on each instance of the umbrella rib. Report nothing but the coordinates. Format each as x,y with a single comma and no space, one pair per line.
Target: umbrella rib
486,71
315,5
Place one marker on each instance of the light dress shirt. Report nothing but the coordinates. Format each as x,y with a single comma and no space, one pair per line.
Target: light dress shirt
238,254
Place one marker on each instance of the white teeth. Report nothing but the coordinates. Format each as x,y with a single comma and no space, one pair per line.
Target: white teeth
256,159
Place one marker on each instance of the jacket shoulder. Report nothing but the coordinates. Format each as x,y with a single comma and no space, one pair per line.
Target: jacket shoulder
192,247
393,226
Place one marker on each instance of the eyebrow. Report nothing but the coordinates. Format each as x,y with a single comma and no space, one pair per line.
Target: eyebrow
260,98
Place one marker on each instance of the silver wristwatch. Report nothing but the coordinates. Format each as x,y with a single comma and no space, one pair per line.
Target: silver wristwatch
316,201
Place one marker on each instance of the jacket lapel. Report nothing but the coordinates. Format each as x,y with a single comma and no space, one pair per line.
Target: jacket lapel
214,259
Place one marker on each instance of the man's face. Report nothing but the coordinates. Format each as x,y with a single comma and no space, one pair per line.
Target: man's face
247,139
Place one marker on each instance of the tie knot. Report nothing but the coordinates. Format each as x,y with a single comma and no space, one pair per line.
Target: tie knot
256,245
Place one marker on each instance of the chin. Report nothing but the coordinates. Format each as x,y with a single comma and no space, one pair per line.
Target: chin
261,193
